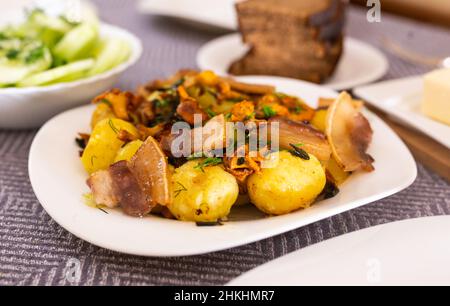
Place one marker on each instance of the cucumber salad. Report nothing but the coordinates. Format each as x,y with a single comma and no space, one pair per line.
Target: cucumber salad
45,50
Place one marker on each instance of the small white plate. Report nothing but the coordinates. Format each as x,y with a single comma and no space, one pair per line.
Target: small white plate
219,14
360,63
401,98
59,181
411,252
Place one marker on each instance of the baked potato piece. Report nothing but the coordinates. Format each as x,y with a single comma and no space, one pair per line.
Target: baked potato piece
202,195
128,150
101,112
104,144
286,183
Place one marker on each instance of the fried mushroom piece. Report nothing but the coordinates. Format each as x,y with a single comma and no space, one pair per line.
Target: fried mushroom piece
252,89
120,101
188,107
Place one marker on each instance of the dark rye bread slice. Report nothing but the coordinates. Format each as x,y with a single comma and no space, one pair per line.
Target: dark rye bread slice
297,48
286,14
288,65
248,67
271,33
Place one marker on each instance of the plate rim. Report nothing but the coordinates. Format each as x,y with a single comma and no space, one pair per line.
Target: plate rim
361,91
227,244
365,233
381,71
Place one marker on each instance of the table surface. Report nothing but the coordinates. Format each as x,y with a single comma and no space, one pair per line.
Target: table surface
34,250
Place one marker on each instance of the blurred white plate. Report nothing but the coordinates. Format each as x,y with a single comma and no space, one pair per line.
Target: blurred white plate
410,252
59,181
30,107
401,98
360,63
218,13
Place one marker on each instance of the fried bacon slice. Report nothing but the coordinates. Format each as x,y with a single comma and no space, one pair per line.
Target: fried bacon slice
349,134
137,186
304,136
128,191
102,187
118,186
151,169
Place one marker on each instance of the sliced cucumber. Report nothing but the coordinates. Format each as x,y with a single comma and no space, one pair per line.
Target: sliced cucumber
56,74
39,19
111,52
17,64
77,43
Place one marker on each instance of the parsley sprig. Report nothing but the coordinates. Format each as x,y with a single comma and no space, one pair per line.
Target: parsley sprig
268,111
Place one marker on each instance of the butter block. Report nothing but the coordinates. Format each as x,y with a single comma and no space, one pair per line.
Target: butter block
436,99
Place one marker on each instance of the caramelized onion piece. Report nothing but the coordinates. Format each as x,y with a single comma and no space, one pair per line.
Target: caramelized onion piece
151,169
304,136
349,134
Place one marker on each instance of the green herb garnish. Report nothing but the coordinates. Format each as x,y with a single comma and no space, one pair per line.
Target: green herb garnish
268,111
210,112
106,101
160,103
298,109
178,191
178,83
111,124
99,208
210,161
299,152
195,155
280,95
251,116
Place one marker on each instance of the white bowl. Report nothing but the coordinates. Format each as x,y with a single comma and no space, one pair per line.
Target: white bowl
30,107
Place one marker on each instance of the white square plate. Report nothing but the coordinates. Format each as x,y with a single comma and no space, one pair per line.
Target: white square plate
58,179
401,98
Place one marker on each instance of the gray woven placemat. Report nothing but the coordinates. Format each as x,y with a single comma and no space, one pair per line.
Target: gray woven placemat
34,250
